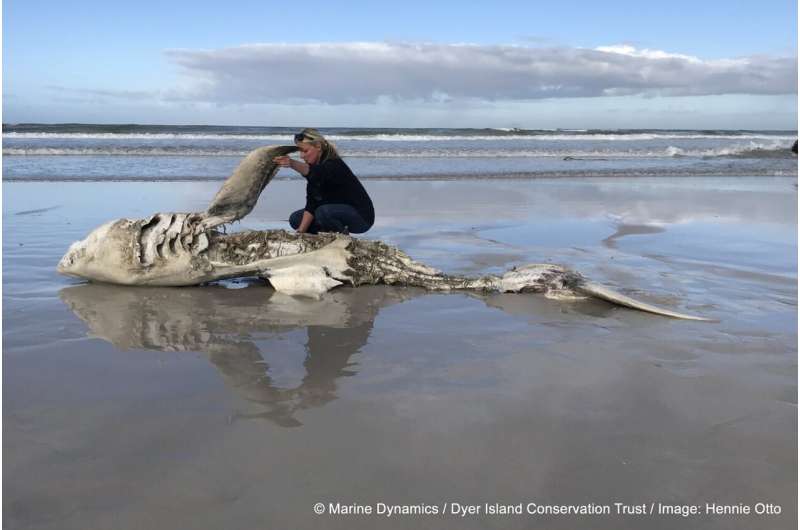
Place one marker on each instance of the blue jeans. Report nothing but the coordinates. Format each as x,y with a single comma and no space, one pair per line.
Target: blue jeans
341,218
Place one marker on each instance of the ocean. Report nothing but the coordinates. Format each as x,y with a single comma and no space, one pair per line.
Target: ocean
81,152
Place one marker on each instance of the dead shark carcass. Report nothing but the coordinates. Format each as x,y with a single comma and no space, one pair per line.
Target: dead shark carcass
180,249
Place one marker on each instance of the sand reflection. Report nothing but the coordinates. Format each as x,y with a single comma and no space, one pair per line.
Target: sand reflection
227,324
231,327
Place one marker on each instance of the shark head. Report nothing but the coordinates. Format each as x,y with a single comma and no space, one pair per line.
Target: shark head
107,254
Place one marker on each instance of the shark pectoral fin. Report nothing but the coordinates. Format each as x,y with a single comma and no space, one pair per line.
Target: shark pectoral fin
604,293
301,280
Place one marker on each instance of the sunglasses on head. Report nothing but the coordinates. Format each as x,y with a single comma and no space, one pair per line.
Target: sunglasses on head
299,137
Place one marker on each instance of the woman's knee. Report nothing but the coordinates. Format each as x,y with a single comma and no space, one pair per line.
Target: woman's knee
296,218
325,216
340,218
359,228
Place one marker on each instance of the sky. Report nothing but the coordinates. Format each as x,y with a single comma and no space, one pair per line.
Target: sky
619,64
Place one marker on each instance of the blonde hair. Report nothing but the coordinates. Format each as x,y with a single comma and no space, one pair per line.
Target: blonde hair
313,137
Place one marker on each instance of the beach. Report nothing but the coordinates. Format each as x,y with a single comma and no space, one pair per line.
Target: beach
232,406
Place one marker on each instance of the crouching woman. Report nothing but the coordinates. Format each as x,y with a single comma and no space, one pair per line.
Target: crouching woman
335,199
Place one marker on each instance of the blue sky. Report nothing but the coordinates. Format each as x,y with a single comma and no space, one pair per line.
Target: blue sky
708,64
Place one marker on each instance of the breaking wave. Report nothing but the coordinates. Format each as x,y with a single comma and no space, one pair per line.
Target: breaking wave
406,137
749,150
773,149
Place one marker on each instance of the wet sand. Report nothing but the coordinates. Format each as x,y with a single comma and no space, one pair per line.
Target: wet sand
234,407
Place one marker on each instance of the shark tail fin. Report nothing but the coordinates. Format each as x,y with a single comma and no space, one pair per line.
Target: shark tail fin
604,293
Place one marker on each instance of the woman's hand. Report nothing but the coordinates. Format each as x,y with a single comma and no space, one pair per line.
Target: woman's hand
305,223
283,161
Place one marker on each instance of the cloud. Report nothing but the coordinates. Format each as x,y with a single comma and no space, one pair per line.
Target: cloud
364,72
626,49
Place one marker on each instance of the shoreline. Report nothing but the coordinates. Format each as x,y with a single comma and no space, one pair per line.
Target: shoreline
434,177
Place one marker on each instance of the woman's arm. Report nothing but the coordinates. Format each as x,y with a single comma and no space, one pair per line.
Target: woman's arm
305,222
312,188
297,165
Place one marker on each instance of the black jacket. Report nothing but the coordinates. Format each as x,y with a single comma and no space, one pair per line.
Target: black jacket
332,182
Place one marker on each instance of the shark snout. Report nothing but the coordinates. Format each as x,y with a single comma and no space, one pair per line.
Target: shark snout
67,263
72,258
